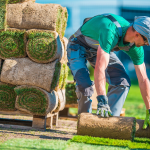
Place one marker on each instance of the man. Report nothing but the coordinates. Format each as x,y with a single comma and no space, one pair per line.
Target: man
95,41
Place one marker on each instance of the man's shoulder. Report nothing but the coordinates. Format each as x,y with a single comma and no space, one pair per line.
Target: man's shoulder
121,20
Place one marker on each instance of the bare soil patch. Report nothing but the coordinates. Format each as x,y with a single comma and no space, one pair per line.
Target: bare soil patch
65,130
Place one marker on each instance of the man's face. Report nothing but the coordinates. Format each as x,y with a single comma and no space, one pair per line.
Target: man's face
140,40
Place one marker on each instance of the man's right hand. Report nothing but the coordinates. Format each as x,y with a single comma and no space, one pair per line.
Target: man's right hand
103,108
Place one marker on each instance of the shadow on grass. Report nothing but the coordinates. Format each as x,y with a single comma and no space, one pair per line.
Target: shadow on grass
50,135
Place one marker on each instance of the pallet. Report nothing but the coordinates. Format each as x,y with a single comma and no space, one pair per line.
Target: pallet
40,122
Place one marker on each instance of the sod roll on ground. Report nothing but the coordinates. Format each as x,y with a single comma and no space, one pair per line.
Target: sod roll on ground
23,71
112,127
140,132
43,46
35,101
37,16
7,97
12,44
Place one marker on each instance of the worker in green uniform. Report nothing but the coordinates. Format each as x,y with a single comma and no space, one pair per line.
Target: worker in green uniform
95,42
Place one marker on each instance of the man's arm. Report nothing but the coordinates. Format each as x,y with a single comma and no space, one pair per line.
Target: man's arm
100,82
99,72
144,83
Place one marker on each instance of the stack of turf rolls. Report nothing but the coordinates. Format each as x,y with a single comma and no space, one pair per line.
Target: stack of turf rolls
33,56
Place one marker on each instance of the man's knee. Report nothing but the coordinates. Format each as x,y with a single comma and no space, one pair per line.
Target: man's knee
83,82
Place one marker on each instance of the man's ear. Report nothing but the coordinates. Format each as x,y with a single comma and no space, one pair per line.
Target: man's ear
137,34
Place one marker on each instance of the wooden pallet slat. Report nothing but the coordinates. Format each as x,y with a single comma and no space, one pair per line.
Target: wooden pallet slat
40,122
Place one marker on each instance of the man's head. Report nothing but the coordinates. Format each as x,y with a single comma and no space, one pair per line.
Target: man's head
141,24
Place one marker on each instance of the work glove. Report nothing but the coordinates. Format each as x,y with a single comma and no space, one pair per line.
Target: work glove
147,119
103,108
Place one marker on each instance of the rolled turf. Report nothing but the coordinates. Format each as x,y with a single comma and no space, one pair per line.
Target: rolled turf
3,15
7,97
60,77
64,58
140,132
71,97
112,127
37,16
12,44
18,1
35,101
64,20
23,71
61,101
43,46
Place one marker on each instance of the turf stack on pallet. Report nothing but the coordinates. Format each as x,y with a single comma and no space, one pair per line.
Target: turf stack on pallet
34,50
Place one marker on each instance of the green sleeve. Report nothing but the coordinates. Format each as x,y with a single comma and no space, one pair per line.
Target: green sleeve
136,54
107,40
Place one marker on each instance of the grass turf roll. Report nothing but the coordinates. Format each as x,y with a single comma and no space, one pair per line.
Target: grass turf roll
7,97
64,20
37,16
12,44
3,14
112,127
140,132
59,77
19,1
43,46
65,76
71,97
35,101
23,71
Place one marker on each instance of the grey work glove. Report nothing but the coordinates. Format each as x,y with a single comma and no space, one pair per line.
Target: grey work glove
103,108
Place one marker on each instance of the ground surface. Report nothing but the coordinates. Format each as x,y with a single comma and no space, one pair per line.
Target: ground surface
65,130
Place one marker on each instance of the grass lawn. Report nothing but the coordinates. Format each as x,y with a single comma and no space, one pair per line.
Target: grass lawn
76,143
29,144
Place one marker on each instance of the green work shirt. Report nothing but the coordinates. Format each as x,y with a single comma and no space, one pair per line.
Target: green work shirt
102,29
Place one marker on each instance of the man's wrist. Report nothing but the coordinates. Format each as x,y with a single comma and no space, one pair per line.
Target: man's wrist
102,97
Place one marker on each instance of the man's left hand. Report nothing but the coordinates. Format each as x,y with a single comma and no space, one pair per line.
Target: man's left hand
147,119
